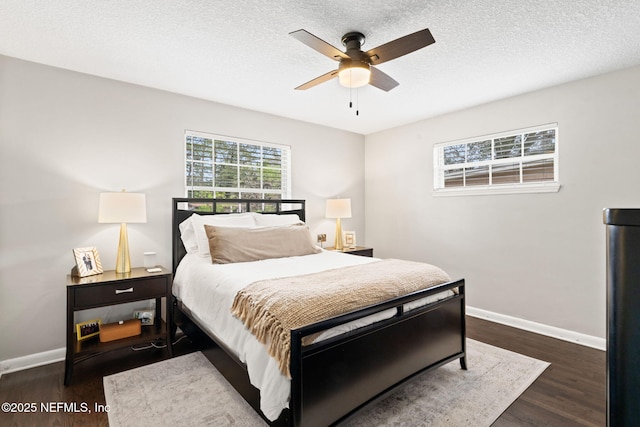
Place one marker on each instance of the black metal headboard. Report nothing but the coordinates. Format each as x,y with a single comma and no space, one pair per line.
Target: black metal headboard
184,207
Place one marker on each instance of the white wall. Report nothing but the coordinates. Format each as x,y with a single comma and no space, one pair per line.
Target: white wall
537,257
65,137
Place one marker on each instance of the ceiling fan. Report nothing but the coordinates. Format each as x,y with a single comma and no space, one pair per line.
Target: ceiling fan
356,67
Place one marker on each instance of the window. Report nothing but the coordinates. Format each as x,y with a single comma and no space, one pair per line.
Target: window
232,168
520,161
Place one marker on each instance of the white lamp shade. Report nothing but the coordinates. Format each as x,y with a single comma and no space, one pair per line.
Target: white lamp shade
338,208
122,208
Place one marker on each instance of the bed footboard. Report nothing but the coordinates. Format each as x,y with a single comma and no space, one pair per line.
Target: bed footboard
331,380
335,378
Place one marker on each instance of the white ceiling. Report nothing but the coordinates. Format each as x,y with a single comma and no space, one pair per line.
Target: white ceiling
240,52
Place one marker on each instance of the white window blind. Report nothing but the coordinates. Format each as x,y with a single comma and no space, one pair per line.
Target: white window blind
524,160
230,168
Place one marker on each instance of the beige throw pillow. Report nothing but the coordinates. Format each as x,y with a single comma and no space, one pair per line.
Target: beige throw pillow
228,245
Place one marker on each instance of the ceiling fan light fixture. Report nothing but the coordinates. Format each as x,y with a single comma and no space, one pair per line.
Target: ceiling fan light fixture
354,74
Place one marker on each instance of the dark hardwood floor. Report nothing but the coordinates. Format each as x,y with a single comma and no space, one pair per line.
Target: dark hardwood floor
571,392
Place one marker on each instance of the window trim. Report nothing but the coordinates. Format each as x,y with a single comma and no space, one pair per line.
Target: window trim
284,193
517,188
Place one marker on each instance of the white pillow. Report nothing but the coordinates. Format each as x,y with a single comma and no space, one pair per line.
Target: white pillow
194,236
188,235
274,220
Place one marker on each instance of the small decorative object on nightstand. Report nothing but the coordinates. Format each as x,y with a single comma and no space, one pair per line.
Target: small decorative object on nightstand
350,239
111,288
87,262
358,250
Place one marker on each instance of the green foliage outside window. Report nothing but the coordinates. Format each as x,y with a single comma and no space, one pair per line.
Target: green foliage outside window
232,168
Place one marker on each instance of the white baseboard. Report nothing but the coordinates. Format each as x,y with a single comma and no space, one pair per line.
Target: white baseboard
31,361
539,328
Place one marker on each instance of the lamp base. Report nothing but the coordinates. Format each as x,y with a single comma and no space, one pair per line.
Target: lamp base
338,240
123,263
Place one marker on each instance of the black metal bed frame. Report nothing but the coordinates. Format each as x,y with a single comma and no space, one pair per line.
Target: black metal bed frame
333,379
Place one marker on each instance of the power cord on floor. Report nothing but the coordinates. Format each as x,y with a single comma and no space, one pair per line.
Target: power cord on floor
154,345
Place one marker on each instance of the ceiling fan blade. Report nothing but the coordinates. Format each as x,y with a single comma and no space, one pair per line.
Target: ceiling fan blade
318,44
323,78
398,47
382,80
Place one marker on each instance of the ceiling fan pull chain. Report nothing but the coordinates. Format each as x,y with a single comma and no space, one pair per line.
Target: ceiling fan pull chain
350,90
351,100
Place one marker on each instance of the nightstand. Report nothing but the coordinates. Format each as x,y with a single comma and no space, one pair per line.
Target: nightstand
111,288
358,250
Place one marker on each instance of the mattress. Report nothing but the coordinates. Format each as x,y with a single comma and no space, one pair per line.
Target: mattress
208,291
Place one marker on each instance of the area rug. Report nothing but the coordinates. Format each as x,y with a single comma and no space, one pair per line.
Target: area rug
188,390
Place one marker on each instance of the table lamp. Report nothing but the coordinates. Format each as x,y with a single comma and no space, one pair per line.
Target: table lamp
122,208
338,208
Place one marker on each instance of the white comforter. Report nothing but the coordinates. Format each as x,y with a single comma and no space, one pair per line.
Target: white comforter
208,291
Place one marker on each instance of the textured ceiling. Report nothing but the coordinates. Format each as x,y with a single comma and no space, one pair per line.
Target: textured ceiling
240,52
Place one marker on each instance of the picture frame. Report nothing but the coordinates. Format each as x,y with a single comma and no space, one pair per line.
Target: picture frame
349,239
88,329
321,239
146,316
87,262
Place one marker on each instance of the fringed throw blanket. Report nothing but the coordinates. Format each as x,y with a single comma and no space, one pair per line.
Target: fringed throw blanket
270,309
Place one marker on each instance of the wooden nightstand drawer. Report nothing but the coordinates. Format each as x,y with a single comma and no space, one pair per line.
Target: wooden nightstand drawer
115,293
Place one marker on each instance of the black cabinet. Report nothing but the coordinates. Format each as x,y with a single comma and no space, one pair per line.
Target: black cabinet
623,316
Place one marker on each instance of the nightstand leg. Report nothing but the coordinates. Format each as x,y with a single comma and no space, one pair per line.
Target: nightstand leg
68,371
171,332
68,362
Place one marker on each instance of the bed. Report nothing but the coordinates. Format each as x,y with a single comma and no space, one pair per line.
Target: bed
333,367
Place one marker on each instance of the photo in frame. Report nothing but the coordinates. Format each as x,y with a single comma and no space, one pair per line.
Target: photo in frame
145,315
88,329
349,239
87,262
